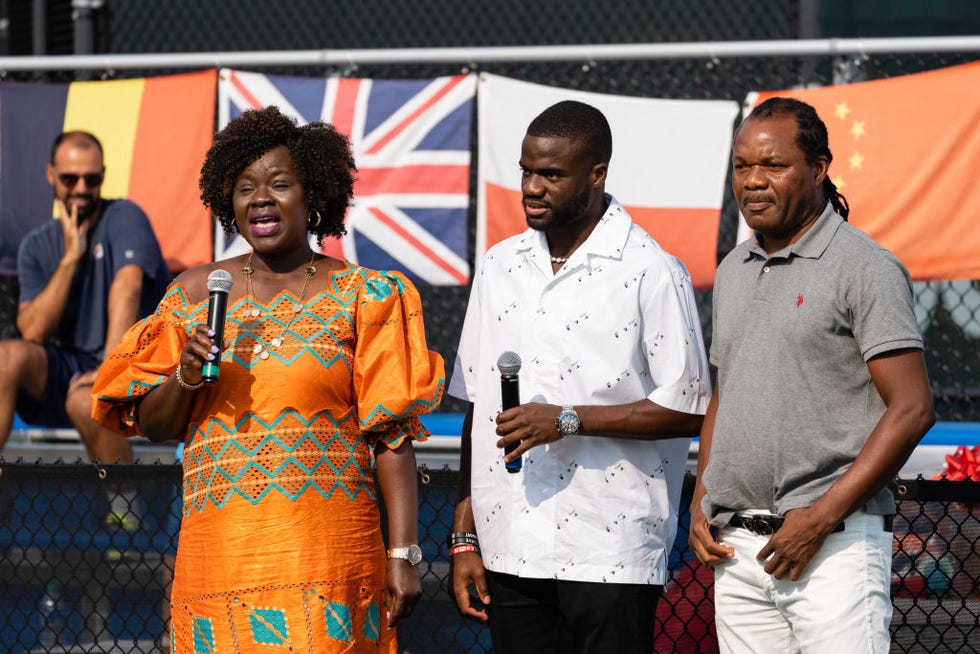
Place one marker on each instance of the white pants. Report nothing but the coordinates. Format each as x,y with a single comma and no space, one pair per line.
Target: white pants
840,606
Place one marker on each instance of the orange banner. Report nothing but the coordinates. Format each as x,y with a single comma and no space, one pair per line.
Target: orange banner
174,132
907,158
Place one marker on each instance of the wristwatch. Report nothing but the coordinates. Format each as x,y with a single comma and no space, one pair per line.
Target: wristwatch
568,422
412,554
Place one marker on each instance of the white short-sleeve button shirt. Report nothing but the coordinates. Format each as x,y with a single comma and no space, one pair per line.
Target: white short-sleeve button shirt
617,323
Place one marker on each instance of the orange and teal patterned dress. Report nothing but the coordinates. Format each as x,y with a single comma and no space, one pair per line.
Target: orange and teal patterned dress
280,546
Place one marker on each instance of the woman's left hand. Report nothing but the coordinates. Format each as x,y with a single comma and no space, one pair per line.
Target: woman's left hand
403,588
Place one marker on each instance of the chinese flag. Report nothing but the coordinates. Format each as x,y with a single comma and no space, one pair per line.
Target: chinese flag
907,158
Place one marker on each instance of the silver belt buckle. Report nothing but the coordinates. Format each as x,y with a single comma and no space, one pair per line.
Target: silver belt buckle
760,526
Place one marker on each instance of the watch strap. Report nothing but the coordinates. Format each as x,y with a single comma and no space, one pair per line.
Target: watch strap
568,423
411,553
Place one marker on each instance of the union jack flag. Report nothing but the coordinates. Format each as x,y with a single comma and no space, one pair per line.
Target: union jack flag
411,142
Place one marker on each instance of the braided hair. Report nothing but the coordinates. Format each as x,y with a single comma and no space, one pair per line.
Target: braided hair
811,137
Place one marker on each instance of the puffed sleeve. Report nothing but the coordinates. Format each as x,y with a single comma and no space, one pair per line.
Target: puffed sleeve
396,377
143,359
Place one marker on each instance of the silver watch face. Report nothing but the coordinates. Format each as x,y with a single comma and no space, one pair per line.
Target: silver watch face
412,554
568,422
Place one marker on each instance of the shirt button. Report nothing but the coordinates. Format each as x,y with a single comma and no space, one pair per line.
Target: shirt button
766,269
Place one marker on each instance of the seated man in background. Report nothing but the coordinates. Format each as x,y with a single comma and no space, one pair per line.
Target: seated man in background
84,279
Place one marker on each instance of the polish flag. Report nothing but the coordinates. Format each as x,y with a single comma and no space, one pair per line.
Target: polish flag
669,164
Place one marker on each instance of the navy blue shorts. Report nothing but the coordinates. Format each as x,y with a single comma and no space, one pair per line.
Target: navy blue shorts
63,365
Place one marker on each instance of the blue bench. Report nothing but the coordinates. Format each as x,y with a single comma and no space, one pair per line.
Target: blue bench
942,434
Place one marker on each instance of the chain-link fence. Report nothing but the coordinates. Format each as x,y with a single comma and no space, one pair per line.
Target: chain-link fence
71,581
100,583
70,575
189,25
949,312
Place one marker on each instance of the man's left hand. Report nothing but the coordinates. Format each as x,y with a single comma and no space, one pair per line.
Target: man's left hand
528,424
791,549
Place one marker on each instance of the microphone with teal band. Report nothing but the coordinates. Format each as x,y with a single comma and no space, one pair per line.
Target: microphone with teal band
219,283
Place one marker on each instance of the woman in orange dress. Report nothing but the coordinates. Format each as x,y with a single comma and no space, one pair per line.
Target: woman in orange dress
322,376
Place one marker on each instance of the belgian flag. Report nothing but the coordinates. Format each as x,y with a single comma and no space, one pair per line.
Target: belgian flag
155,132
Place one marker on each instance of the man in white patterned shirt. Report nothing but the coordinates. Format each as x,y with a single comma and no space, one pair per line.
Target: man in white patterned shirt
573,548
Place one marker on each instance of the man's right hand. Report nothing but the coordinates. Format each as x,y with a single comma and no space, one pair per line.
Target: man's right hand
76,235
701,538
468,570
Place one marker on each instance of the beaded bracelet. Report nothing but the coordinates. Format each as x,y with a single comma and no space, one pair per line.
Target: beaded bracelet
461,538
185,385
461,549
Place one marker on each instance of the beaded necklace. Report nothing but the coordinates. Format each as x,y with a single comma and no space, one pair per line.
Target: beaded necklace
262,349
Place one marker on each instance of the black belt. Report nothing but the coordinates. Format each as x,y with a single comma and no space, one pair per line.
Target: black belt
767,525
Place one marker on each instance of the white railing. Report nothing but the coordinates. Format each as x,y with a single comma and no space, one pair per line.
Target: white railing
469,57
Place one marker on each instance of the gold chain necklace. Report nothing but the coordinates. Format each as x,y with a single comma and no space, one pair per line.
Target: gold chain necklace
262,349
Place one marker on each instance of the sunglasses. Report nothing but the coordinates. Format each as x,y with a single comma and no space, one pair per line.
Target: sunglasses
71,179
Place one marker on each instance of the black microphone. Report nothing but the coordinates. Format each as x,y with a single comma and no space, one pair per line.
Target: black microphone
509,364
219,283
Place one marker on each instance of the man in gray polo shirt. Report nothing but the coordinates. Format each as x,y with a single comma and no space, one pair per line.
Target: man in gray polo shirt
822,395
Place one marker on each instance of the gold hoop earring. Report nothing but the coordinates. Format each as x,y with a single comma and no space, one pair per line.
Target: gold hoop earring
313,223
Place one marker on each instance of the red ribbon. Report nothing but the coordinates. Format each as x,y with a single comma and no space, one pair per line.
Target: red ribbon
962,465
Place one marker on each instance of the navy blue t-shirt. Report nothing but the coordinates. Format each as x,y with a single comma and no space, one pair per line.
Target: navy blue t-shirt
122,236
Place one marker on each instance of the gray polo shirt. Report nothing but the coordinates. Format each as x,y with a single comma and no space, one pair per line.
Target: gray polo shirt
792,335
